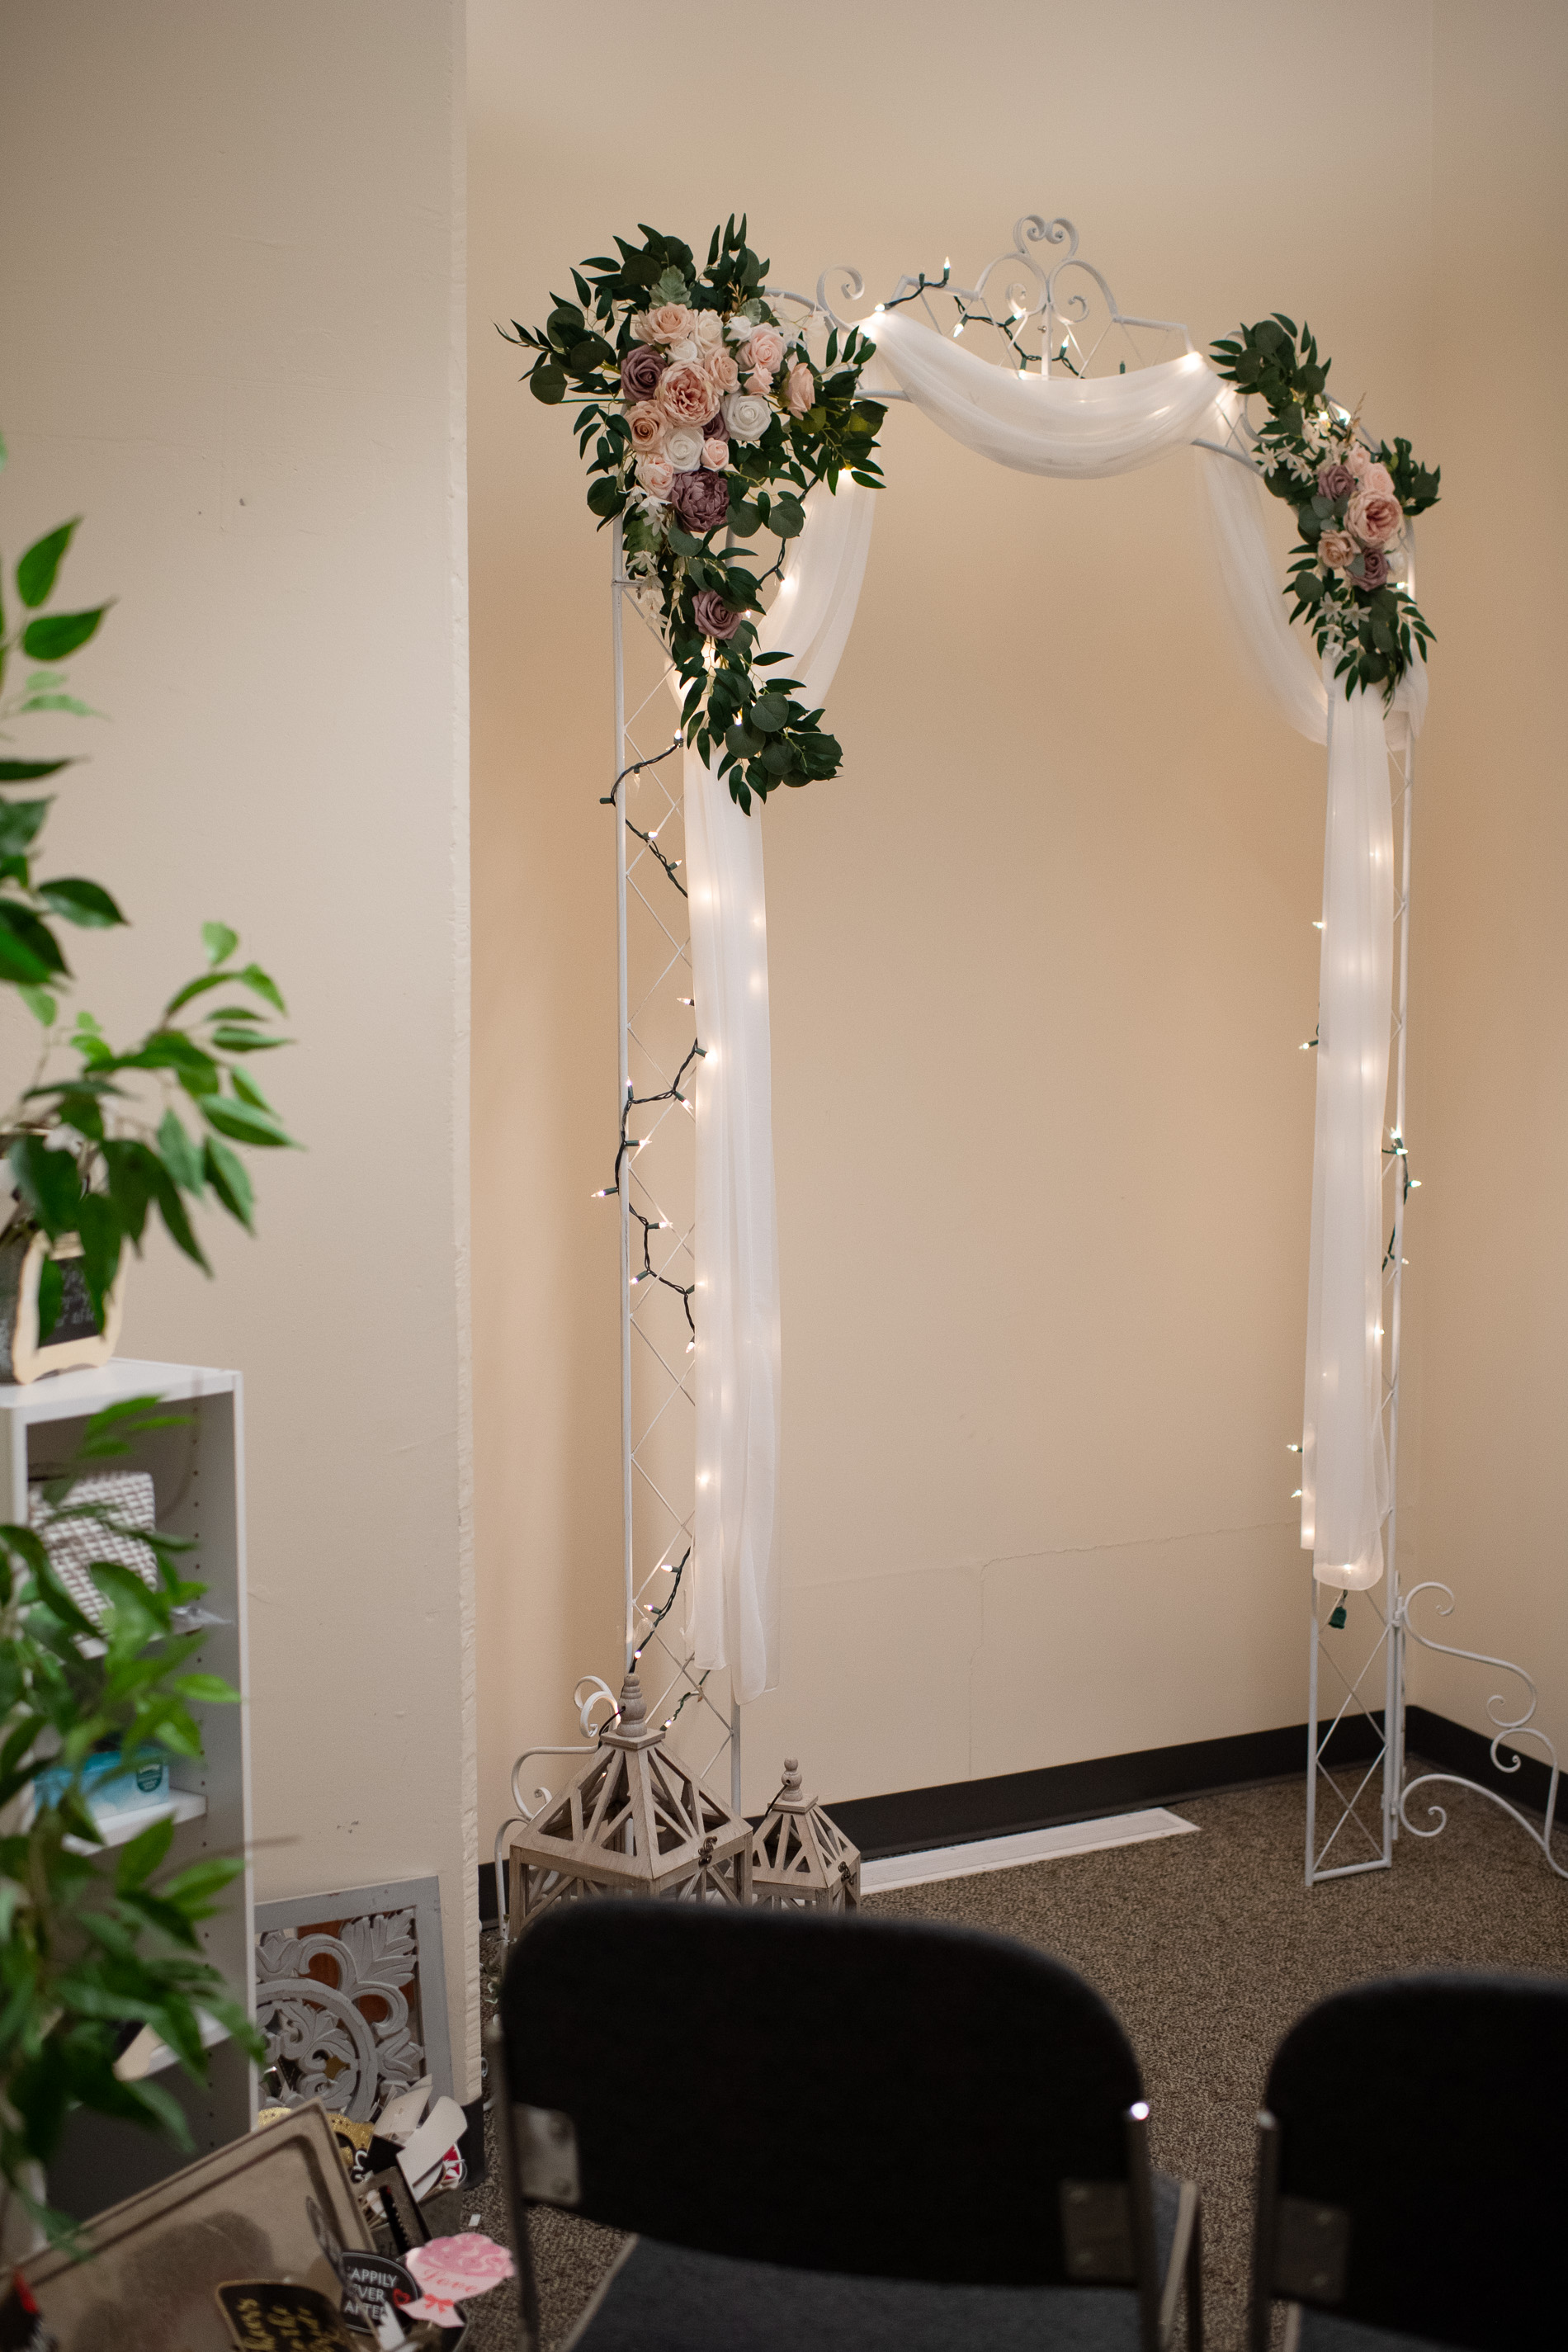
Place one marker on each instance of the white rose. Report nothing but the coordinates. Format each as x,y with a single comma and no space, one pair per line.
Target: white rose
683,447
747,415
709,330
687,348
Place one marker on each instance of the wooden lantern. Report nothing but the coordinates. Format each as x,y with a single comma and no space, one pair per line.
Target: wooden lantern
801,1859
633,1820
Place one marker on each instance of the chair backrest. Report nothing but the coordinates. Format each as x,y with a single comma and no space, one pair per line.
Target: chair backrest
885,2099
1420,2130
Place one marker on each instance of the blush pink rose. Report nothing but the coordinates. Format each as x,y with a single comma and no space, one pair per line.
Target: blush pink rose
1336,551
685,393
715,455
1374,517
759,383
646,425
671,320
800,391
766,349
722,373
655,474
1378,482
643,329
1358,458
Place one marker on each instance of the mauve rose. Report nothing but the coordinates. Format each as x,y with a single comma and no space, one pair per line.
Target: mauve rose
766,349
715,455
683,447
647,427
702,499
685,395
746,415
655,474
1336,550
800,391
1335,481
716,429
640,372
722,373
1374,568
713,617
1374,516
671,320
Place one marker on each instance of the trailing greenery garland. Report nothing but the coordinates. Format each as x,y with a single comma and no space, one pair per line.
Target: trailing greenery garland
707,419
1352,564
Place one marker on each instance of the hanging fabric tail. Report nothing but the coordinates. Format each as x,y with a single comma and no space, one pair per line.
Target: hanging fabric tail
1344,1465
735,1619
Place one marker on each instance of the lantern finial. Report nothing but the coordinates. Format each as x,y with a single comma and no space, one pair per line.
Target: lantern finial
801,1859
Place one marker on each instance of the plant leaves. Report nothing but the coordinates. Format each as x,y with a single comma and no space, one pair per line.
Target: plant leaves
55,634
219,941
84,903
36,571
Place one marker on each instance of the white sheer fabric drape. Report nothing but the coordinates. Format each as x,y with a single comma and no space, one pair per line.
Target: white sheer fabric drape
735,1535
1344,1465
1079,427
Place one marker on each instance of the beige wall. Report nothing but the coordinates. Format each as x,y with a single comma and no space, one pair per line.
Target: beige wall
1041,958
229,257
1490,1105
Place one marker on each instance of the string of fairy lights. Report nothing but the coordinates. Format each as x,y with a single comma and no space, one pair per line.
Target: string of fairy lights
627,1143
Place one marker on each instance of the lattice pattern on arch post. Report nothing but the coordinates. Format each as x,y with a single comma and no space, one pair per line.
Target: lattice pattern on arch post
656,1181
1356,1761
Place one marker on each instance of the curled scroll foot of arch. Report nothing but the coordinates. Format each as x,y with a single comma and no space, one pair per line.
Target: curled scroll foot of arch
1508,1726
590,1694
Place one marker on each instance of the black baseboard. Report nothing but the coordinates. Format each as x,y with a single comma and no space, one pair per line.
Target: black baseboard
913,1821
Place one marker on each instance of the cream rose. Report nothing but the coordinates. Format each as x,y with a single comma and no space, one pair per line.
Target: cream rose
800,391
1336,551
685,393
643,329
1374,518
709,330
687,349
745,413
715,455
683,447
655,474
765,351
646,425
722,375
671,320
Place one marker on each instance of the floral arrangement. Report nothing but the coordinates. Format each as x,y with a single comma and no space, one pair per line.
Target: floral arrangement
1350,571
707,418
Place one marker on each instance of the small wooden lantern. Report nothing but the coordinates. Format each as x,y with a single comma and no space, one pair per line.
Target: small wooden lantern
633,1820
801,1859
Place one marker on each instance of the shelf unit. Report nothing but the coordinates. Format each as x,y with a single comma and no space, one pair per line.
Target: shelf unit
198,1482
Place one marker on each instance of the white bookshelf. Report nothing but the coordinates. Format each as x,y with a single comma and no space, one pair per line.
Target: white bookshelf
198,1482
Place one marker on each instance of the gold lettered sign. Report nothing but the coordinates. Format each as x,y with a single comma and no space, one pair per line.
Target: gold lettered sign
262,2317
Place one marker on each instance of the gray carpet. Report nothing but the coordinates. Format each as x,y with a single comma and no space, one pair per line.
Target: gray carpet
1207,1948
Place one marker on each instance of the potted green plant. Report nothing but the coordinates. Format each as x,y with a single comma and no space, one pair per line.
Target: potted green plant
94,1945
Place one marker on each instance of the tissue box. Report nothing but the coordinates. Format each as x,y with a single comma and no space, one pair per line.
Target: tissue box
111,1784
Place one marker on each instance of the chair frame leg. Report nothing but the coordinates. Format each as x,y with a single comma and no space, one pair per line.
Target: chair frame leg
1265,2219
516,2210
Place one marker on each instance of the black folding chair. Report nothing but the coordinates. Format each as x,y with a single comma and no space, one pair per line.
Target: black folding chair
1413,2168
834,2133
